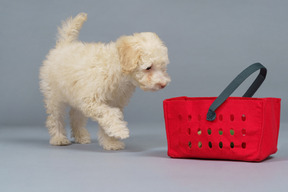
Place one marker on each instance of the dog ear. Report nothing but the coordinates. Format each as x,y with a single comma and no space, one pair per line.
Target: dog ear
129,53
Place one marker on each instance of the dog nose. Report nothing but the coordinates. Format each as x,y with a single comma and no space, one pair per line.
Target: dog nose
162,85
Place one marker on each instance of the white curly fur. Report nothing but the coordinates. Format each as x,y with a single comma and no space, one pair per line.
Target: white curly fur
96,80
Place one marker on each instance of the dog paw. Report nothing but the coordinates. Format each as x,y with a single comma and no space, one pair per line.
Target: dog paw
118,145
81,136
59,140
118,133
112,144
83,140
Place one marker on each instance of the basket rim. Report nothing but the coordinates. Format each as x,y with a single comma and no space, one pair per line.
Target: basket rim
213,98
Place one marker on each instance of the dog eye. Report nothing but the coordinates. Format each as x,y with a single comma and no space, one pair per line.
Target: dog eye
148,68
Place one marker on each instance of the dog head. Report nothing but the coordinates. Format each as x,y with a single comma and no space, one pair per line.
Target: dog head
144,58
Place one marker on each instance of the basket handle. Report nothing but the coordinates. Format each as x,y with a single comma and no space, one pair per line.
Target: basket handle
211,115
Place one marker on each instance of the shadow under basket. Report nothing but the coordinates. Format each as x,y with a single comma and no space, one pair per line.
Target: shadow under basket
244,128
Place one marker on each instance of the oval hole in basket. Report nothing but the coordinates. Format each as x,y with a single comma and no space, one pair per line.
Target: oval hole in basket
232,145
243,145
243,131
210,144
243,117
232,117
199,132
189,117
200,144
209,131
189,144
221,144
220,131
232,132
189,131
220,117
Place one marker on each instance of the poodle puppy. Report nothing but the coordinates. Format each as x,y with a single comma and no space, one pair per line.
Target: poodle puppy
96,80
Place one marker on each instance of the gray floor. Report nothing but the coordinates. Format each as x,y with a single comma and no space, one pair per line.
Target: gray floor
29,163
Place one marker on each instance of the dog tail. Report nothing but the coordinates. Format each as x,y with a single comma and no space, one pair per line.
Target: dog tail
70,28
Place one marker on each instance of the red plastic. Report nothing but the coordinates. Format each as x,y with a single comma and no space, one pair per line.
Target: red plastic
245,129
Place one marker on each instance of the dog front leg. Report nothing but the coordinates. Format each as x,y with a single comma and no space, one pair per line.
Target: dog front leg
109,118
109,143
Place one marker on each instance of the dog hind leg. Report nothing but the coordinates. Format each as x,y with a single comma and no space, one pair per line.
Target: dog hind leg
78,124
55,123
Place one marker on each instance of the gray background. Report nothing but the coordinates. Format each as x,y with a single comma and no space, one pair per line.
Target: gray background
209,43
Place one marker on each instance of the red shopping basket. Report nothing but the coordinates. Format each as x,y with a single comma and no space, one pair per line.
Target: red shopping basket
233,128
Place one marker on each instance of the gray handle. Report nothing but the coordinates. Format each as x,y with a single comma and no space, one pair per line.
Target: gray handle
211,115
